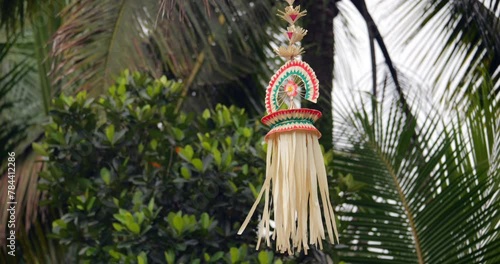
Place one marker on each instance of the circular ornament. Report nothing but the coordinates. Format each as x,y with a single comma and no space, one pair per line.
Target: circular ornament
276,90
292,120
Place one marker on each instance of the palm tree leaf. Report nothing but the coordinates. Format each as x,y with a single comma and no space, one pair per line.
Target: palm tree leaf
462,38
28,90
14,12
27,93
425,201
11,75
95,40
237,53
27,195
98,39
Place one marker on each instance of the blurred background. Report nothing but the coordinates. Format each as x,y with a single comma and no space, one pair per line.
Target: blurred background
136,132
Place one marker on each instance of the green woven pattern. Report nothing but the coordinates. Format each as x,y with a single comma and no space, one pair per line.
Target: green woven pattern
293,121
284,78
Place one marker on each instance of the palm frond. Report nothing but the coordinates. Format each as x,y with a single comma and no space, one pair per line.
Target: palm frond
28,91
27,195
100,38
28,95
11,74
14,12
425,201
460,37
347,44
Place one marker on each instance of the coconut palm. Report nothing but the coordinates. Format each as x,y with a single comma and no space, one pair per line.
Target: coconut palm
430,184
428,165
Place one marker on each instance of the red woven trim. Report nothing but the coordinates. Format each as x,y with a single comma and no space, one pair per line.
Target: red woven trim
297,128
291,112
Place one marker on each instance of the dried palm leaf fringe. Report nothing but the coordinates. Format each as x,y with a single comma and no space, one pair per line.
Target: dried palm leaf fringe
295,171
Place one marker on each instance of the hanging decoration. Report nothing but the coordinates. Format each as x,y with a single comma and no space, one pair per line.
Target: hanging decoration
296,180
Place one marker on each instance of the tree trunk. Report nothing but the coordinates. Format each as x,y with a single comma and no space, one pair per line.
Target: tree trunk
319,51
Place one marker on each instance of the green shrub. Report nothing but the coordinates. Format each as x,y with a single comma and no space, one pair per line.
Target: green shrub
136,182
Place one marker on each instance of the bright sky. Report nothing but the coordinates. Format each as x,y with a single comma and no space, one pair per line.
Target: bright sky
353,66
419,73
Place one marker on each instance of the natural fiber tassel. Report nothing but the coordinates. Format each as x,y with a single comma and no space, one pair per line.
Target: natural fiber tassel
295,173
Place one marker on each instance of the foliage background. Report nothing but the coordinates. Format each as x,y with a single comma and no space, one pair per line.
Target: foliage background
415,144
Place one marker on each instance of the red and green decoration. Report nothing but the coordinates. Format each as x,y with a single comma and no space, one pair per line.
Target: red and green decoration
292,120
296,180
277,90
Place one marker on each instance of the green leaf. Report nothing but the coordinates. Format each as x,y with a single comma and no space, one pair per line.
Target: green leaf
142,258
205,220
117,227
217,256
349,180
234,254
186,174
243,251
146,111
90,203
119,135
68,100
198,164
106,176
39,149
150,91
178,134
133,226
233,186
151,204
265,257
58,137
247,132
254,190
176,87
120,218
217,157
59,223
112,90
226,115
206,145
140,217
140,148
121,89
81,97
163,80
178,223
115,254
206,114
187,152
154,144
228,158
170,257
110,133
137,197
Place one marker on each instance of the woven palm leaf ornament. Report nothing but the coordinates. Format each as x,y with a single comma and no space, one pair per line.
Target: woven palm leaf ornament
296,180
